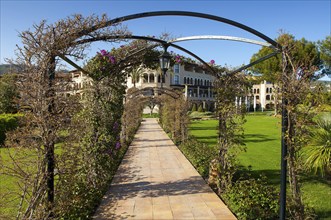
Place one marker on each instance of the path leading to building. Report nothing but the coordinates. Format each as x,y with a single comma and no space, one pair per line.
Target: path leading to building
156,181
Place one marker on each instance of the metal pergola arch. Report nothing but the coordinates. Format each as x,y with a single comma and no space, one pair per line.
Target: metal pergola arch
277,47
219,37
153,39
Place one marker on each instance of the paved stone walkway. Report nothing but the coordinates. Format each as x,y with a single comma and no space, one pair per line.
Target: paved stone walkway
156,181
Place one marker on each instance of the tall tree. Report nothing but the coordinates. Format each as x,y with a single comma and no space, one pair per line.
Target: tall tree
325,50
299,64
303,51
136,73
293,70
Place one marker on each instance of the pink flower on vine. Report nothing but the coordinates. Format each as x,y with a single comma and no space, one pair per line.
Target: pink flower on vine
103,52
112,59
115,126
212,62
118,145
109,152
178,59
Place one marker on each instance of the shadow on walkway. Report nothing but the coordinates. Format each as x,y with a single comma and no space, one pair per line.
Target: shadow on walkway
155,181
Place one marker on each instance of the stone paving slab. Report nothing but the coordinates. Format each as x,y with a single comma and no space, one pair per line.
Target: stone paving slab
156,181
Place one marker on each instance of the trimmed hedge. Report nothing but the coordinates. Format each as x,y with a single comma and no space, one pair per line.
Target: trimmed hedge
8,122
200,155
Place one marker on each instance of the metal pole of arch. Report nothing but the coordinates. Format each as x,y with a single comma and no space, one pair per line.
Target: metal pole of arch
282,214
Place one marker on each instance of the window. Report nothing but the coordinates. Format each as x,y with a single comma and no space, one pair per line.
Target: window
268,97
270,90
190,92
257,97
151,78
184,80
176,68
191,81
195,82
258,91
176,79
267,90
145,78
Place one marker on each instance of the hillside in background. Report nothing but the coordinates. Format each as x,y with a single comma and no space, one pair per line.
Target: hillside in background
5,68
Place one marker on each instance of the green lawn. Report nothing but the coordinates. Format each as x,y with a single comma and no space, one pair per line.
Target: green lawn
9,185
262,139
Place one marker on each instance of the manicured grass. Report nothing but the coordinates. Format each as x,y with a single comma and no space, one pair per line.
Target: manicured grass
262,139
153,115
9,184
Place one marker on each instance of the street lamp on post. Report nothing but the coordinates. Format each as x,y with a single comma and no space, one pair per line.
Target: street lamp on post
164,62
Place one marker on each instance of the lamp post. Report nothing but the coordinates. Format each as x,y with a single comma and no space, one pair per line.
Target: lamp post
164,62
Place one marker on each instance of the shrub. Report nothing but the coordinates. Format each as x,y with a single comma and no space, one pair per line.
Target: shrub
200,109
194,108
173,117
8,122
199,154
253,199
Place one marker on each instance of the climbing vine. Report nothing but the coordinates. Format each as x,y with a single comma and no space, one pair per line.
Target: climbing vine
173,116
66,148
230,130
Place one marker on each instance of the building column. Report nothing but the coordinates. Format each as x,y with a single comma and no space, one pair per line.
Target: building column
246,103
254,103
186,92
198,91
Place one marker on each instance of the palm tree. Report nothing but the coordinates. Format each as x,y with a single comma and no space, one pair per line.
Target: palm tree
136,73
319,153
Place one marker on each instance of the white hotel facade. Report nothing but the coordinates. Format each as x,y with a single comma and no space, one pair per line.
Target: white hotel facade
196,84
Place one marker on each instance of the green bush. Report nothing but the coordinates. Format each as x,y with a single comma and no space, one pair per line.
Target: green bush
200,109
8,122
194,107
199,154
253,199
201,115
153,115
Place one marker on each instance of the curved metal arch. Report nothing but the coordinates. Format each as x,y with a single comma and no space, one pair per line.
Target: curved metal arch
191,14
162,42
219,37
277,46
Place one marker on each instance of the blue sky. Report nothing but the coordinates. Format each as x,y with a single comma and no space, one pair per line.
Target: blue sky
308,19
